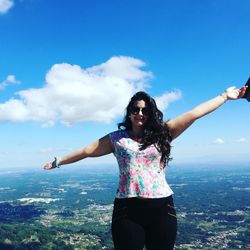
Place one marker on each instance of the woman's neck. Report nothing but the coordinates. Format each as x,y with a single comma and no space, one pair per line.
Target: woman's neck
136,133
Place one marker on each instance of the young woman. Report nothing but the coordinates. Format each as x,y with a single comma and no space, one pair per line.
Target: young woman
144,213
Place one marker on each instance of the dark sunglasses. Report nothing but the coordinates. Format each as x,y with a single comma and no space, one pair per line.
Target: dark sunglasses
136,110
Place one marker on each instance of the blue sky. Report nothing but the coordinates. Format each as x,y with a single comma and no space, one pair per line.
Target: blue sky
68,69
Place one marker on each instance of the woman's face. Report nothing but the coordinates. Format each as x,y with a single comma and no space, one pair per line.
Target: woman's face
139,114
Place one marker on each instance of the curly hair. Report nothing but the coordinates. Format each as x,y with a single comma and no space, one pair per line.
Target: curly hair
154,131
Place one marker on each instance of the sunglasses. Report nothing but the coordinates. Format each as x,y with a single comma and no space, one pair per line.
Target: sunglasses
136,110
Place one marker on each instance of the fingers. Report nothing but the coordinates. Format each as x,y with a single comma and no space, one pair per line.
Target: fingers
48,166
242,91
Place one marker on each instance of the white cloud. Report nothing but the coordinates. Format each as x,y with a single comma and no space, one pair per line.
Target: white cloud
72,94
5,5
10,79
242,140
163,101
219,141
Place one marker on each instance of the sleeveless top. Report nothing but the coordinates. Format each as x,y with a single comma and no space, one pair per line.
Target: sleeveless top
141,172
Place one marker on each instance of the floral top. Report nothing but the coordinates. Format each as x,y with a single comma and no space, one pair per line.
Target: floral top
141,172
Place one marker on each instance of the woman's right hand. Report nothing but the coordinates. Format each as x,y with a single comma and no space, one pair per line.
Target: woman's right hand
48,166
51,165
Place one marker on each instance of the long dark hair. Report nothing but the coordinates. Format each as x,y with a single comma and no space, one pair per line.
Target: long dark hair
154,130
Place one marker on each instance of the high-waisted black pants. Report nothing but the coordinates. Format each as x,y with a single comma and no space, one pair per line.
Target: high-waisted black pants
144,222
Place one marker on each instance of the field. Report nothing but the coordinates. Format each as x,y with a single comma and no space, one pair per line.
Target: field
72,208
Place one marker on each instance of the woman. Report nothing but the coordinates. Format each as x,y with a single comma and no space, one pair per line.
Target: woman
144,212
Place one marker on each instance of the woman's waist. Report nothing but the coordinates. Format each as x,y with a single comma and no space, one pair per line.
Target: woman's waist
141,201
144,194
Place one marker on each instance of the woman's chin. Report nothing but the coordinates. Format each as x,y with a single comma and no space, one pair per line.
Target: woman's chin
140,123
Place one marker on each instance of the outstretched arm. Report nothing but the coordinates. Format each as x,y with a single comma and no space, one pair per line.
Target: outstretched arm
178,125
98,148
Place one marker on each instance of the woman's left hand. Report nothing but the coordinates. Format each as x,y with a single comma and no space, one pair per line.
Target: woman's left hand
232,93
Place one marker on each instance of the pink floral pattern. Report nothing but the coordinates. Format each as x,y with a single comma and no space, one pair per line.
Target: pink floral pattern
141,172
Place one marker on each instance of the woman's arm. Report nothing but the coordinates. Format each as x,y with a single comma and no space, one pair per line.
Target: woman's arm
178,125
98,148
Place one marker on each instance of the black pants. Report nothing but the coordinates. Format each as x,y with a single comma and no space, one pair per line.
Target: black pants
144,222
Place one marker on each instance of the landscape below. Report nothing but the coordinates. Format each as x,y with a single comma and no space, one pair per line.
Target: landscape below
72,208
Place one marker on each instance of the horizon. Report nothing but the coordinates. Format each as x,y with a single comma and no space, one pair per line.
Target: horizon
114,169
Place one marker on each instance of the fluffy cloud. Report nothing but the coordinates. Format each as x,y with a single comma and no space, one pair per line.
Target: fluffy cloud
10,79
219,141
163,101
5,5
72,94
